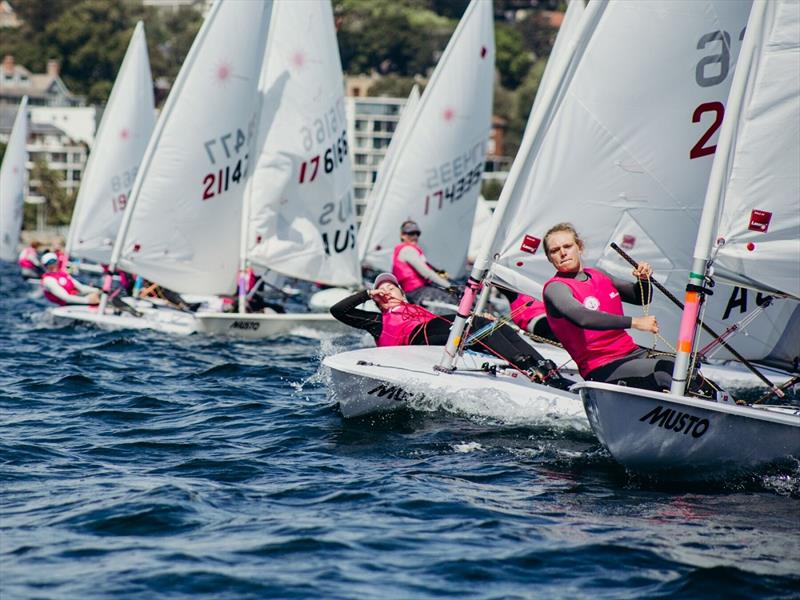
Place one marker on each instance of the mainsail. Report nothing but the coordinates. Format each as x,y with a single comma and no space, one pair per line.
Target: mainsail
624,153
436,175
758,236
300,215
751,214
128,122
182,226
12,184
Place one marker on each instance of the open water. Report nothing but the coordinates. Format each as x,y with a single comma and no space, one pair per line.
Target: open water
138,466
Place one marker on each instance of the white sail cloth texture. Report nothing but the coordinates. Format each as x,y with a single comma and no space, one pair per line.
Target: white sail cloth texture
436,175
623,149
759,227
301,216
12,184
128,121
182,228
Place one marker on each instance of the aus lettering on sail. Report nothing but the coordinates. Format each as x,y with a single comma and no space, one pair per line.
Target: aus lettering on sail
325,139
711,70
227,155
448,182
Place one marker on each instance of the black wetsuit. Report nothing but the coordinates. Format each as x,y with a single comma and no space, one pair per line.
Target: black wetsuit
503,342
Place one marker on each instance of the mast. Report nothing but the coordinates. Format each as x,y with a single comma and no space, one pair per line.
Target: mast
714,200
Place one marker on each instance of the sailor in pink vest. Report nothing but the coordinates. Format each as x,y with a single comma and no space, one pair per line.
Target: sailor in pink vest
418,279
29,265
402,323
529,314
584,310
61,288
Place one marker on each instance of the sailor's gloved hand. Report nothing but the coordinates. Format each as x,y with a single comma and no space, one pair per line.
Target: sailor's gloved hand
455,290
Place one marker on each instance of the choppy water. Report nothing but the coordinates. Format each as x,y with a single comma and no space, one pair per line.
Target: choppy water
139,466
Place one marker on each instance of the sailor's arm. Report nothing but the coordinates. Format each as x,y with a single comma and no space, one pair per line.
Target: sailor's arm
52,286
560,302
413,258
345,311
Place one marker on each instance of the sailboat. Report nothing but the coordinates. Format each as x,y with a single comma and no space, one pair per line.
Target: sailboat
434,173
588,156
298,218
749,235
181,225
12,185
406,376
128,122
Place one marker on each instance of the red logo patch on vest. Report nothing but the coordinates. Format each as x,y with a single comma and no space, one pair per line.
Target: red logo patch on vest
530,244
628,242
759,220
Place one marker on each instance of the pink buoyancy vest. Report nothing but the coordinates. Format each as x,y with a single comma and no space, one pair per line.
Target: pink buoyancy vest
399,323
26,259
65,281
522,315
406,275
592,348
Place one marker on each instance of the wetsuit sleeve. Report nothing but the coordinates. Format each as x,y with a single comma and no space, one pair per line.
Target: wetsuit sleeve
410,256
83,288
346,312
631,292
560,302
51,285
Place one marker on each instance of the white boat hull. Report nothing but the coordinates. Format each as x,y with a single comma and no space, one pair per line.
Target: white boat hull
374,380
162,319
686,438
265,325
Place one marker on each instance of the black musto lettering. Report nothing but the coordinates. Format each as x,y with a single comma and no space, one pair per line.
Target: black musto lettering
251,325
676,421
393,392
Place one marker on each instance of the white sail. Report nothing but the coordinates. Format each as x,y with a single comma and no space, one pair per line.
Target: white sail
12,185
128,122
631,160
437,173
760,208
301,219
182,226
377,197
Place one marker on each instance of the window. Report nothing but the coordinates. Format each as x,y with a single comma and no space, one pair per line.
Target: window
360,176
360,193
76,176
77,157
361,142
379,143
361,125
58,157
361,159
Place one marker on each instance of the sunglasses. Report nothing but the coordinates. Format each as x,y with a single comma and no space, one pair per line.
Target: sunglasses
417,233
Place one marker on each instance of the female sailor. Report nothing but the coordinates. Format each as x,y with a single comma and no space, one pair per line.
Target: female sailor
61,288
419,280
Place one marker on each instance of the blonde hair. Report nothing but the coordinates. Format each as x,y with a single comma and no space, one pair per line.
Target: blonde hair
566,227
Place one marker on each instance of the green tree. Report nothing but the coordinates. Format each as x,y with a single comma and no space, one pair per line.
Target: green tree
58,201
511,58
394,86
